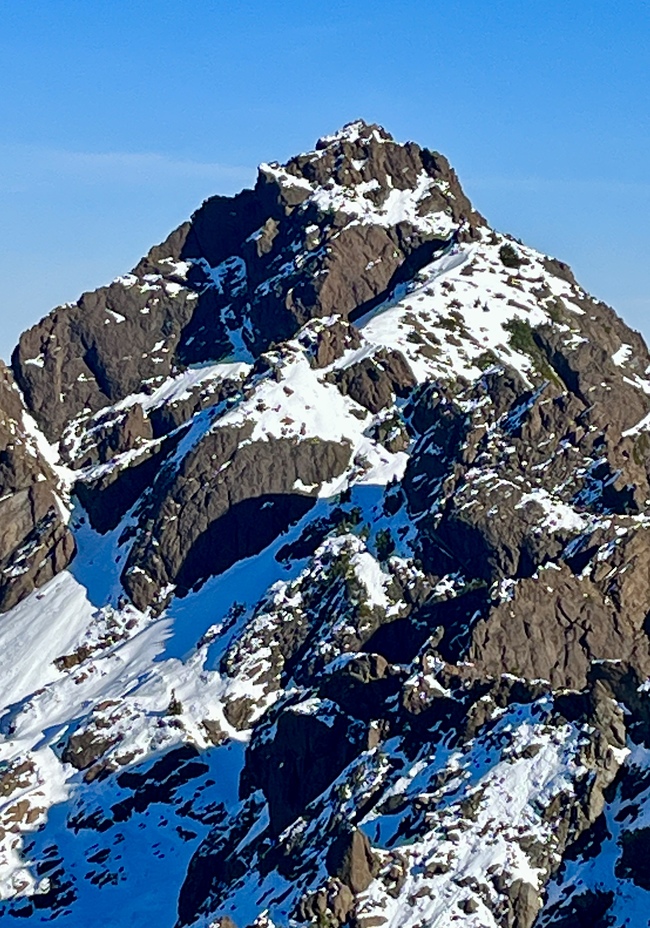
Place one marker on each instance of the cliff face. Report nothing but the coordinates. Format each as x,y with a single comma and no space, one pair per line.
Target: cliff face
356,628
35,543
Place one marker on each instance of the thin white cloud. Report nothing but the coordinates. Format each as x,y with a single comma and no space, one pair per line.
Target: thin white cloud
542,184
23,167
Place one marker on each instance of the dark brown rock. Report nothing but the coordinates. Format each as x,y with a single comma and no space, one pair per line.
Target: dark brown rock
86,747
170,415
554,630
519,501
214,730
238,712
110,435
225,502
110,495
524,904
335,899
362,685
332,341
350,858
15,776
624,683
106,346
88,364
35,543
305,754
374,382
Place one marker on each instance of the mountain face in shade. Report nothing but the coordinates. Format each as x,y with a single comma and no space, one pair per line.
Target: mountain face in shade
325,574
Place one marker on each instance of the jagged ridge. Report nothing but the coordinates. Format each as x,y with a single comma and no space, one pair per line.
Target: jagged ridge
357,483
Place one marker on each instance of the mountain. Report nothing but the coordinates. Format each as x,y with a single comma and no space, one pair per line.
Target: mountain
325,574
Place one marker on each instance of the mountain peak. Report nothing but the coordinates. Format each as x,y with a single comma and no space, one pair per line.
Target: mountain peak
325,563
361,166
352,132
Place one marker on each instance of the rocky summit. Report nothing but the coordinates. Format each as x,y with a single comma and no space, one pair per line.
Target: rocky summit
325,574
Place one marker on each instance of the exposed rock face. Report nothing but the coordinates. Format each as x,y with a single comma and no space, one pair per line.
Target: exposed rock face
181,302
376,381
357,630
226,503
35,543
103,349
495,455
350,859
332,342
304,756
556,632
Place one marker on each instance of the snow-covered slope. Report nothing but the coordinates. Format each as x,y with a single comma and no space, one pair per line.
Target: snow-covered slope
343,619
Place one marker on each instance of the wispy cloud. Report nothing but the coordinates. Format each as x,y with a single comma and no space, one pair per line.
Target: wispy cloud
546,184
24,167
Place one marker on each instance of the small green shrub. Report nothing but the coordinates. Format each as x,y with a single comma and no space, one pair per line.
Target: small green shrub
486,360
509,256
522,339
555,310
384,544
521,336
364,531
641,448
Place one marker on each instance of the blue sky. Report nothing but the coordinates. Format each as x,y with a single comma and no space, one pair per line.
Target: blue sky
117,119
